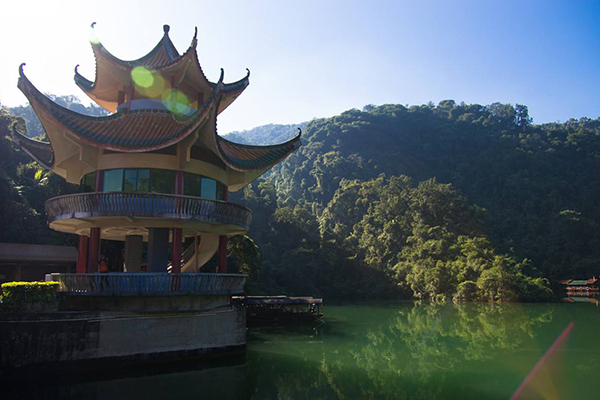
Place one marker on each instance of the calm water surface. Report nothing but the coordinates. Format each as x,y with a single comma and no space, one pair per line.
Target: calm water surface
384,351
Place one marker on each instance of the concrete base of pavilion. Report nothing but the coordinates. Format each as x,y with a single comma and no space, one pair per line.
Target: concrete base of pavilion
108,332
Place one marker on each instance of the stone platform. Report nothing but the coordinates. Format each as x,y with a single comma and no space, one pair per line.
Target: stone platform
98,330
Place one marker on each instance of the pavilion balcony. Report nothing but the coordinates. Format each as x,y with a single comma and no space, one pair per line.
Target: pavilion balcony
123,213
149,284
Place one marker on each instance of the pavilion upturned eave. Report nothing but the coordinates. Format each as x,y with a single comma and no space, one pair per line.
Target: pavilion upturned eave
252,158
246,158
41,152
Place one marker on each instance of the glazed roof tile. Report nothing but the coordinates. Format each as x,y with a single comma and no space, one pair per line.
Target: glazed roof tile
245,157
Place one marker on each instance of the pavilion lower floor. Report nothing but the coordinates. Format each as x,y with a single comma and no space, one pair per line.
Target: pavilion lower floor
160,250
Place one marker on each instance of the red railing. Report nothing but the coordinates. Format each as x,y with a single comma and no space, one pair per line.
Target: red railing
149,284
149,205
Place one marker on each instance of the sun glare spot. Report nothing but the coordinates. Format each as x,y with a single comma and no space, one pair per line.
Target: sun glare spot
176,101
93,37
148,82
142,77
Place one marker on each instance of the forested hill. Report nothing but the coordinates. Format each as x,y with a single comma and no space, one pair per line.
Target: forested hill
452,201
401,191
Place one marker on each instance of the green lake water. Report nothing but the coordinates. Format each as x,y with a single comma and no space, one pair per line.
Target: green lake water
383,351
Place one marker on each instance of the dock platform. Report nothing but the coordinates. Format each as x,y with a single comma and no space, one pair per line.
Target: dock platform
268,309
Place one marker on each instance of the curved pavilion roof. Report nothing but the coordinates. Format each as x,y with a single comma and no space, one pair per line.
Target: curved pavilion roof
142,130
113,73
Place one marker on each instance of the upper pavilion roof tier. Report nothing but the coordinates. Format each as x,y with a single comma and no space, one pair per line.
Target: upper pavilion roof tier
126,131
165,66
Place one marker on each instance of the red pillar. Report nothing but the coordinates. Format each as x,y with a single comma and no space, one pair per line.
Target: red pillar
121,98
176,259
222,269
130,94
82,254
177,232
94,252
178,182
222,255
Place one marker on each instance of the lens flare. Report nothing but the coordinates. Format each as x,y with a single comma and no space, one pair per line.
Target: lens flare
539,383
148,83
176,102
142,77
93,37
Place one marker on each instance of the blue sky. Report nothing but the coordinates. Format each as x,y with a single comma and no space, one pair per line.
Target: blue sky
318,58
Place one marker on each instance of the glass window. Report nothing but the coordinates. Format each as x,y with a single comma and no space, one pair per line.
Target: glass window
130,180
208,189
191,184
162,181
143,180
113,180
88,183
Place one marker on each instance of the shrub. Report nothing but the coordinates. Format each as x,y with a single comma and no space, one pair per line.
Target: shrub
22,293
466,291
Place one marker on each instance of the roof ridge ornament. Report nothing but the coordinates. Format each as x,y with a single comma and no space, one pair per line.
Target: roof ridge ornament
93,25
21,73
220,83
166,29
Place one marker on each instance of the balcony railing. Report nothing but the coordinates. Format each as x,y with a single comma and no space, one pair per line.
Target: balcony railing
149,284
147,205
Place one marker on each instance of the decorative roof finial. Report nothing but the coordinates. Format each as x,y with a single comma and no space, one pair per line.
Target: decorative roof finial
166,28
248,75
222,76
93,25
77,66
195,32
299,131
21,69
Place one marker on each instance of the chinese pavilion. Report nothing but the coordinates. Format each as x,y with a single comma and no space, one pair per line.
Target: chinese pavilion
155,169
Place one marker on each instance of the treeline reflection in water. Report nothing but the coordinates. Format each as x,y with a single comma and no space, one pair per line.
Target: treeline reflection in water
385,351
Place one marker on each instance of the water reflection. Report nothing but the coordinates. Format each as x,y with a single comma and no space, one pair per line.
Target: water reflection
401,351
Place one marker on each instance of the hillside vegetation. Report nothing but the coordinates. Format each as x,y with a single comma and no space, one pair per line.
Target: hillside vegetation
446,201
